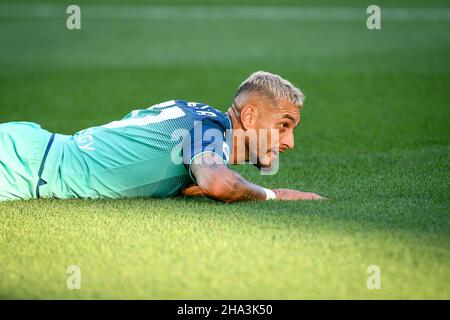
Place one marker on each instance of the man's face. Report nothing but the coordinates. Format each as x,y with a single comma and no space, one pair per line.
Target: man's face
275,130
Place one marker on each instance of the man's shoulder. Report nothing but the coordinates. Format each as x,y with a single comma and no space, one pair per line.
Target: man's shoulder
204,112
200,108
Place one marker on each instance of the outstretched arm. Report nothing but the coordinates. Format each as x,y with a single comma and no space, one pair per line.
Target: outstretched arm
216,181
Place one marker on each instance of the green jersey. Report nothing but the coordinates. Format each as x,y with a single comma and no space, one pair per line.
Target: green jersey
147,153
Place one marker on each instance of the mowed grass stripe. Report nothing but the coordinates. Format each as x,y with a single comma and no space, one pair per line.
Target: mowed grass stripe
225,12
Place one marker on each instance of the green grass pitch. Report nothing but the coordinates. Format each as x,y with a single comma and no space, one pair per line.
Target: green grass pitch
374,139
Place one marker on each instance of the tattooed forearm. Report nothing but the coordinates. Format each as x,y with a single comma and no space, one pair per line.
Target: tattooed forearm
244,191
234,190
253,195
217,181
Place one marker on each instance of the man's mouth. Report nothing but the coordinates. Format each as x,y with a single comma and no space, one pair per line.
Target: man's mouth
282,149
278,150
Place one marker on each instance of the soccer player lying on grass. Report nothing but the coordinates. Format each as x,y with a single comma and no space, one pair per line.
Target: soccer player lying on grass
171,148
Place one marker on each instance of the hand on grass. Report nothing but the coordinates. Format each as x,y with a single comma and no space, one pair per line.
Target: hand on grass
282,194
294,195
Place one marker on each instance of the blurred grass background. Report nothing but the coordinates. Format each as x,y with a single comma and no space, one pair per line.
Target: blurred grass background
374,139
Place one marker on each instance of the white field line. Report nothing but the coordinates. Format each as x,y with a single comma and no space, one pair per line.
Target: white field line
222,12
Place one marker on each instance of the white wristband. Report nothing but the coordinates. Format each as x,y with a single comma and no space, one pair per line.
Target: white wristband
270,194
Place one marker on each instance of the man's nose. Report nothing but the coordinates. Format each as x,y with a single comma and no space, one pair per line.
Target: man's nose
287,141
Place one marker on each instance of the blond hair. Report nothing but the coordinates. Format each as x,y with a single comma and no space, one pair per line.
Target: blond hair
269,85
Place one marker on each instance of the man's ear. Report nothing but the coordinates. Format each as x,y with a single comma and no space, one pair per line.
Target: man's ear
248,116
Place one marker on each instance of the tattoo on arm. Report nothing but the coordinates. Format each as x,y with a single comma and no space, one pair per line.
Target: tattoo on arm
207,160
253,195
239,188
233,191
245,191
